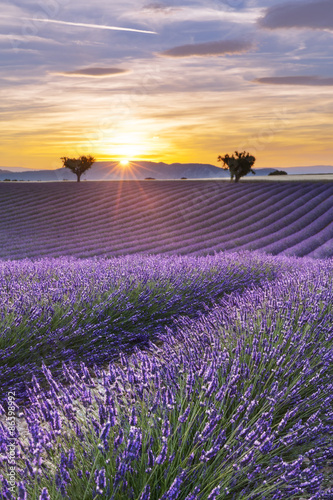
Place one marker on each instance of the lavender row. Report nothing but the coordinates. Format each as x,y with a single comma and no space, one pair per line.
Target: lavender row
164,217
73,310
236,403
231,226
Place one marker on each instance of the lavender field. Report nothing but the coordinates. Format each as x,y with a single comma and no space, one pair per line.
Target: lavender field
165,217
152,349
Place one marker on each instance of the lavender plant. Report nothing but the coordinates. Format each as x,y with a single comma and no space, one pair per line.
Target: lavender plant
234,403
67,310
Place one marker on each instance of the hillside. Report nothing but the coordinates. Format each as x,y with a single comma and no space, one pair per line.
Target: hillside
136,171
193,217
140,170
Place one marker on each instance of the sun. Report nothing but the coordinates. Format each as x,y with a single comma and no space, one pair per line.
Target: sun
124,162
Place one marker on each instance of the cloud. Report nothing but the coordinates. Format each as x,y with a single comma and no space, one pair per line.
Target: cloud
296,80
315,15
160,8
221,47
95,72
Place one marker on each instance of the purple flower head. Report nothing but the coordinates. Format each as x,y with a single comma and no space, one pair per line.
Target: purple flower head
100,480
211,453
134,419
134,443
119,439
102,413
163,453
150,458
194,494
146,493
71,458
22,493
105,431
182,418
247,458
45,495
174,490
166,428
266,446
214,493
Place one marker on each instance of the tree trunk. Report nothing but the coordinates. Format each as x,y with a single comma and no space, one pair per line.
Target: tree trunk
78,177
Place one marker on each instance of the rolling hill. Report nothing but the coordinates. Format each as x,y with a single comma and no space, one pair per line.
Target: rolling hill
136,171
140,170
192,217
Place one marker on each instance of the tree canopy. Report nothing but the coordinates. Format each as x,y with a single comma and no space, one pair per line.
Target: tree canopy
239,164
278,172
78,165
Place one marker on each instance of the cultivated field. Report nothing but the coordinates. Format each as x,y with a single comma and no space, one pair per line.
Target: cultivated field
164,377
168,217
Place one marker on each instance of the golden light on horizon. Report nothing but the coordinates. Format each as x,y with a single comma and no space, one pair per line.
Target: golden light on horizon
126,145
124,162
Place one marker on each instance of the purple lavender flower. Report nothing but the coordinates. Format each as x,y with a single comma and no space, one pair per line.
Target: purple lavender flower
163,453
194,494
214,493
71,458
146,493
134,419
182,418
44,495
119,439
174,490
22,493
211,453
134,443
166,428
105,431
100,480
266,446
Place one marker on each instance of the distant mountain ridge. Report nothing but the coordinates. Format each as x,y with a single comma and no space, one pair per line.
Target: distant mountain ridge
145,169
135,170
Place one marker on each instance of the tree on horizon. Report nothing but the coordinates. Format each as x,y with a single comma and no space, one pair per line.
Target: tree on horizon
78,165
238,165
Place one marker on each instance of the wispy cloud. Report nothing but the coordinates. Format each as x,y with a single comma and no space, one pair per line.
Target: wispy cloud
95,72
200,12
296,80
85,25
315,15
160,8
221,47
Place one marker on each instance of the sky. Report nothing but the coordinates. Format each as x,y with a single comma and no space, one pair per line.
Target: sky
172,81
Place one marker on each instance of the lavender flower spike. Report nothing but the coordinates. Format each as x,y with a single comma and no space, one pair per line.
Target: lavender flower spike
214,494
22,493
45,495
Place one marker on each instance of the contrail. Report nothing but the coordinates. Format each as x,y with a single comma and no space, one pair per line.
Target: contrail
98,26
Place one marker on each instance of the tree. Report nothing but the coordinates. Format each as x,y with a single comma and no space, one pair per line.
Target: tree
78,165
239,165
278,172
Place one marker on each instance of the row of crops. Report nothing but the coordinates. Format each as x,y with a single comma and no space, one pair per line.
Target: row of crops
165,217
160,378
